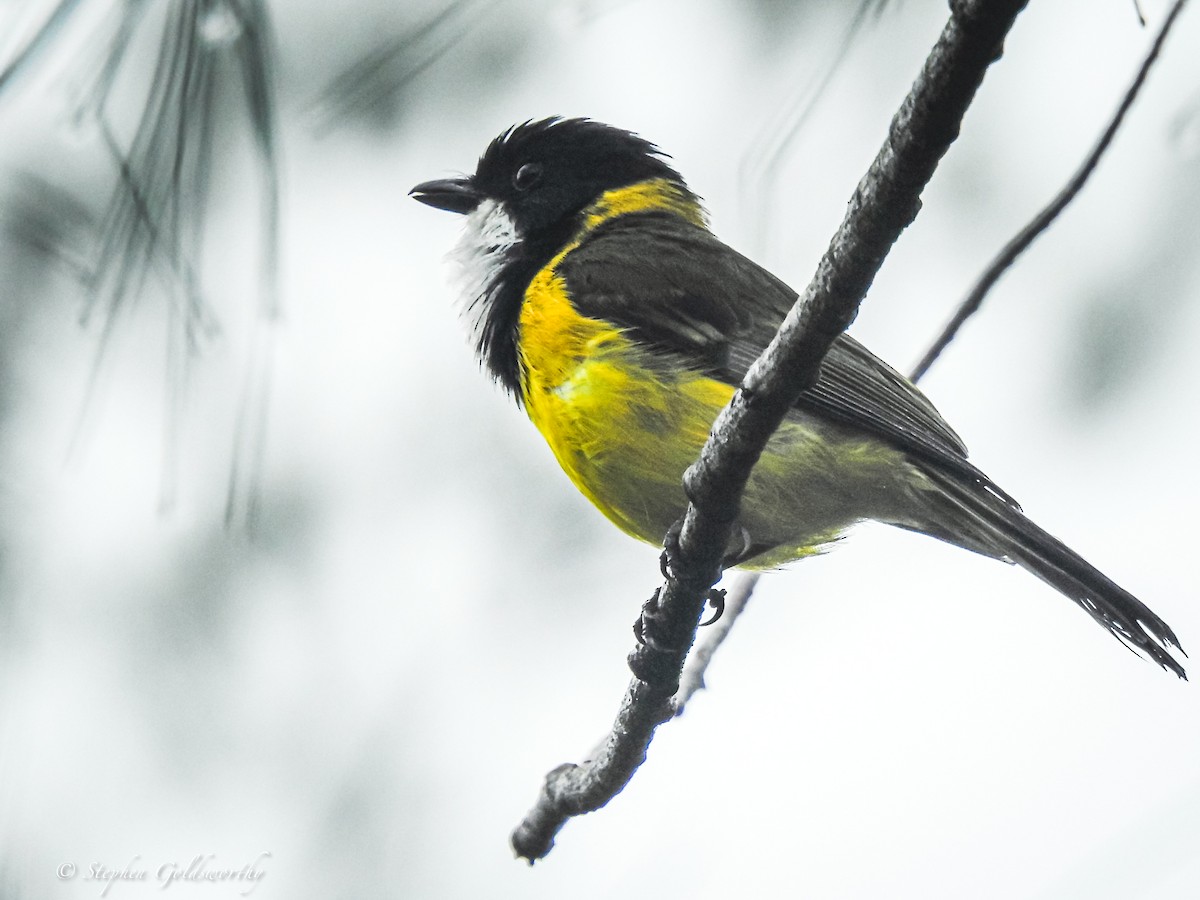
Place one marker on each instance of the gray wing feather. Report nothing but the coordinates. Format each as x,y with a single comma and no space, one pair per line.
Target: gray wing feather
676,287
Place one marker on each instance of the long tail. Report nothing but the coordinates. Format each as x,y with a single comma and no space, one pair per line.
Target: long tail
987,520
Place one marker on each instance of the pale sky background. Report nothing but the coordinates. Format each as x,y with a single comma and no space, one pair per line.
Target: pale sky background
363,697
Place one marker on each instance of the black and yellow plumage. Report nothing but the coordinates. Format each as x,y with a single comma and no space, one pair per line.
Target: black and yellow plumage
605,306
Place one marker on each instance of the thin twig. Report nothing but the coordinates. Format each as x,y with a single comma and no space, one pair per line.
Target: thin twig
375,82
36,44
257,53
760,166
691,680
1019,244
884,204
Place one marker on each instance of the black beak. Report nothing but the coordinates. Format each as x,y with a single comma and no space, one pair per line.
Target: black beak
451,194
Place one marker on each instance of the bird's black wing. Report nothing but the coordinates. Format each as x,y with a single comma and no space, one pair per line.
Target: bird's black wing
677,288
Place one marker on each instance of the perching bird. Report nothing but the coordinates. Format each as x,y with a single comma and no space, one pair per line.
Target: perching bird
601,301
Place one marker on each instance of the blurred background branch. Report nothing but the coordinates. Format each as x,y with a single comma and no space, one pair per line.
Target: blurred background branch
1009,254
370,88
154,225
42,37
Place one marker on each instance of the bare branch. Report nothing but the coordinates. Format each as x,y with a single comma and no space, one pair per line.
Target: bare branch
885,202
1019,244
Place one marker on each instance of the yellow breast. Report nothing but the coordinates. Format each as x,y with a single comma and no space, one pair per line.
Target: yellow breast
623,430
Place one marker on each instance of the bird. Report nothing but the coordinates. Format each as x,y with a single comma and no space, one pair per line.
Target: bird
599,299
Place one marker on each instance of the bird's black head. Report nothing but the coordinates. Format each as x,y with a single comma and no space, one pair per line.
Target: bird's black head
523,205
545,172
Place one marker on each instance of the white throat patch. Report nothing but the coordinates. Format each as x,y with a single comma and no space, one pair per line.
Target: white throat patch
480,254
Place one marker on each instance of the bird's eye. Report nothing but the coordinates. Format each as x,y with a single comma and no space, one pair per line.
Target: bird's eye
527,176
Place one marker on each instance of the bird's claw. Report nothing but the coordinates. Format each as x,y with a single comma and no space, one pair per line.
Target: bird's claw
716,600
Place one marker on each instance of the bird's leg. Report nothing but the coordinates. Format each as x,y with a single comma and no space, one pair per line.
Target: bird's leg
646,629
670,549
715,598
